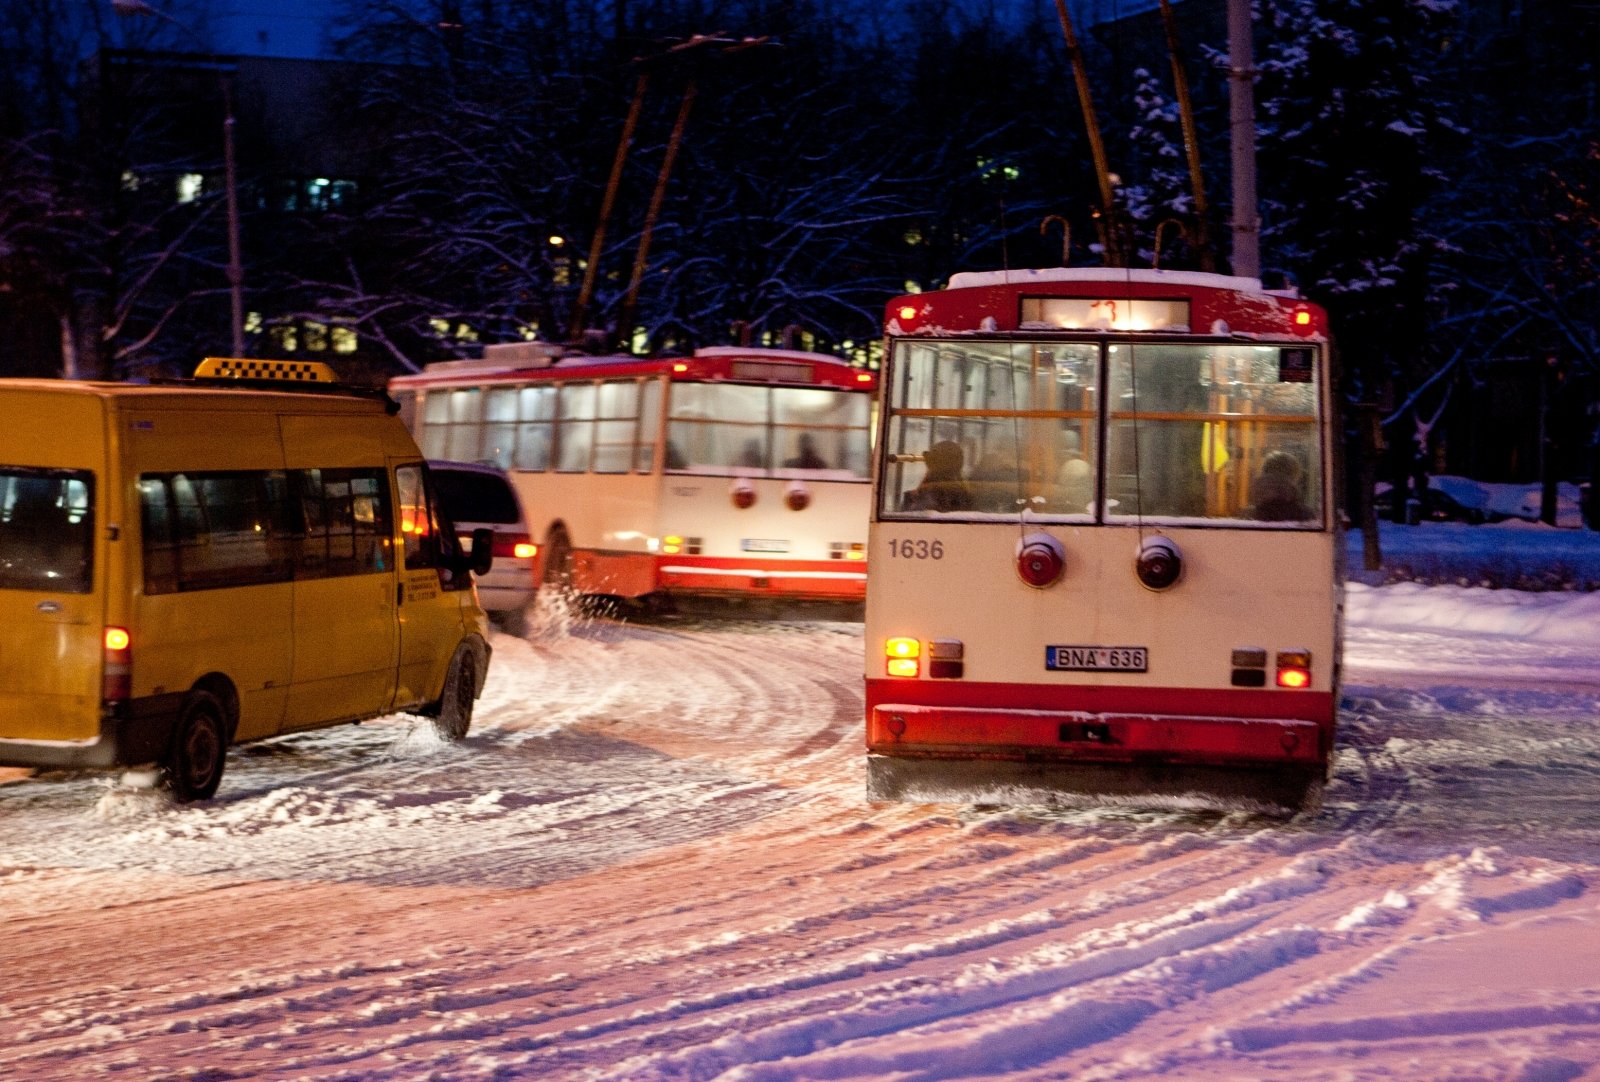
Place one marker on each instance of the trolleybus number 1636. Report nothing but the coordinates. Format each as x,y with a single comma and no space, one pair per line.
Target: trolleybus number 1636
1097,658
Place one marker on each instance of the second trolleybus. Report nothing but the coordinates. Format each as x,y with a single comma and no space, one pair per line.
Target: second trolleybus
1105,550
737,472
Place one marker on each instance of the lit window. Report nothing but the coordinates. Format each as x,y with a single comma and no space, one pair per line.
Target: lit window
252,322
285,338
130,181
344,339
189,187
316,335
439,326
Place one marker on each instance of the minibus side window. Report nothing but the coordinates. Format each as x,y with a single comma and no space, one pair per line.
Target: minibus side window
347,523
211,530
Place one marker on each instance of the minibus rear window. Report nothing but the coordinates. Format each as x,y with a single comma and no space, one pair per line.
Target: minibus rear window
46,530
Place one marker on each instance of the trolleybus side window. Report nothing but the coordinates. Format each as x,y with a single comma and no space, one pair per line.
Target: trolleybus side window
644,455
499,426
46,530
536,420
453,421
616,422
575,430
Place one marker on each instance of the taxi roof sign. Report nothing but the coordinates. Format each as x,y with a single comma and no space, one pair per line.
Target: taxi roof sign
240,368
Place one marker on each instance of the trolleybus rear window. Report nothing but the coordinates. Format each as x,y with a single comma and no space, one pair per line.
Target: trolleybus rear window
1183,432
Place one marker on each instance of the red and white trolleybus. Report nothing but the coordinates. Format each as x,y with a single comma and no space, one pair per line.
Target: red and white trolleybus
1105,551
735,472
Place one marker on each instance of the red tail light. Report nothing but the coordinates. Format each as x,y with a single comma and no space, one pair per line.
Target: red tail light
743,494
517,545
117,683
1040,560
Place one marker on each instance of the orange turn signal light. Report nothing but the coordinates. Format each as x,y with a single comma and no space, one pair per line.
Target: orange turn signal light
1291,677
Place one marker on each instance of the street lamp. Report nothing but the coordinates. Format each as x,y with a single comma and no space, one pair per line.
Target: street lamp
136,8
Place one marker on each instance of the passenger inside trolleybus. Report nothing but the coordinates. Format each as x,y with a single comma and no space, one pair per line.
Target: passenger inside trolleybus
942,488
1278,492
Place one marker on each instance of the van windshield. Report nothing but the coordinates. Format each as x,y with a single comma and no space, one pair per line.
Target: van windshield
46,530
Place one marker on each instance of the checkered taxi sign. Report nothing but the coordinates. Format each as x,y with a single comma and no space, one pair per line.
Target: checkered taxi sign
283,371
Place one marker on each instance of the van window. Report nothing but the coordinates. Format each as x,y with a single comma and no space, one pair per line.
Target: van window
469,496
209,530
427,533
46,530
346,523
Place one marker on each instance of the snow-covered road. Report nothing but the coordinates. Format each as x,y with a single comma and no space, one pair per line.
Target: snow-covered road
652,860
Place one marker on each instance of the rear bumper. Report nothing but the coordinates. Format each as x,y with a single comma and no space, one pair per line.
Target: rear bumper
816,580
962,732
135,732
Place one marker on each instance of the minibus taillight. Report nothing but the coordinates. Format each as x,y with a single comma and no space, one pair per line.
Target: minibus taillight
117,683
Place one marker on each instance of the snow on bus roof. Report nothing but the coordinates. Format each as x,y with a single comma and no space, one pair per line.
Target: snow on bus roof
976,279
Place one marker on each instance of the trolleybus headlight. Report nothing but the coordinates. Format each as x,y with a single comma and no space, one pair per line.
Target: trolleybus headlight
1040,560
743,494
1160,564
797,496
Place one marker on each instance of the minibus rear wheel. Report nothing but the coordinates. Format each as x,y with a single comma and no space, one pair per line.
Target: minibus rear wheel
199,748
460,689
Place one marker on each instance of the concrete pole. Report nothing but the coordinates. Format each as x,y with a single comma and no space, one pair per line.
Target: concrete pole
1242,125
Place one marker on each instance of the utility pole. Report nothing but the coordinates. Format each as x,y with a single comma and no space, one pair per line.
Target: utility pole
1242,125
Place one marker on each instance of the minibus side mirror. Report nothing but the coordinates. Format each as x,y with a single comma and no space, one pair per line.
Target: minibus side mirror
482,557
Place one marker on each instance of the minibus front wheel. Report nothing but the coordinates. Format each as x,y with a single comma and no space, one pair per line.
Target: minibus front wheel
199,748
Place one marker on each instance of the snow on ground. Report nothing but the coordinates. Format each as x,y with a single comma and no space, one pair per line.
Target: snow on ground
651,859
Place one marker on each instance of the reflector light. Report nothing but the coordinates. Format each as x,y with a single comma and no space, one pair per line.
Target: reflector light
863,377
1294,678
903,666
680,368
1159,563
117,638
1040,560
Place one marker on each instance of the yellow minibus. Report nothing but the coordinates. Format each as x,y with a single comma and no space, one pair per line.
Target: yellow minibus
194,564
